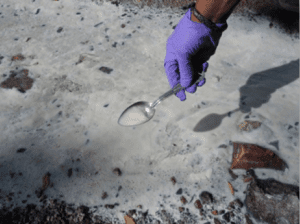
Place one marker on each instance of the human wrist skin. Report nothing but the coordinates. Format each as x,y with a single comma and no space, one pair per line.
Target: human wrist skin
216,11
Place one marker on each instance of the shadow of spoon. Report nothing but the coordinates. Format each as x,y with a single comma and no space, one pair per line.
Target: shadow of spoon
211,121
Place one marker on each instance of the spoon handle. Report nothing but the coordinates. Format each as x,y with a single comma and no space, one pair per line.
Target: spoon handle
175,90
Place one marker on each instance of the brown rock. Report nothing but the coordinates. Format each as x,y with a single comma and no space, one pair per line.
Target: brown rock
215,212
46,180
249,125
18,57
248,179
181,209
129,220
117,171
273,202
18,79
198,204
231,188
173,180
183,200
246,156
217,221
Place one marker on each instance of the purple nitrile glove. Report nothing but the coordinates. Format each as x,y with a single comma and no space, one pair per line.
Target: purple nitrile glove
188,49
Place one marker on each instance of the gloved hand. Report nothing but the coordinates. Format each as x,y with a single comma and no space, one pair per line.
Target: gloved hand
188,48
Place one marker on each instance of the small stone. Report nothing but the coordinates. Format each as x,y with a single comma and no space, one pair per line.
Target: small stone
231,205
221,212
106,69
238,202
139,206
18,57
206,197
198,204
173,180
117,171
46,181
226,217
59,29
179,191
232,174
231,188
132,212
183,200
21,150
104,195
181,209
70,172
215,212
217,221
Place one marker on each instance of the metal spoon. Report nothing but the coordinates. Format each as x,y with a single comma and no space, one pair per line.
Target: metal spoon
141,112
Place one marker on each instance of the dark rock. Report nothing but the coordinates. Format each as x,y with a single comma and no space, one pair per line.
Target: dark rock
21,150
226,216
70,172
117,171
59,29
223,146
106,69
11,174
179,191
98,24
221,212
275,144
206,197
232,174
262,195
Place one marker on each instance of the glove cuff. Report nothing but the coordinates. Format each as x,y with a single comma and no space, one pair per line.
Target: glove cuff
219,27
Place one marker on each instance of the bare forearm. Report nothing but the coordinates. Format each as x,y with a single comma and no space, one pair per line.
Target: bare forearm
215,10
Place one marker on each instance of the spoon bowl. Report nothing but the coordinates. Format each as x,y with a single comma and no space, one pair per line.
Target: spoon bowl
136,114
141,112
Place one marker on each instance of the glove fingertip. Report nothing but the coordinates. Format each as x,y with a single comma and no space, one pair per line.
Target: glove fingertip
202,82
181,95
